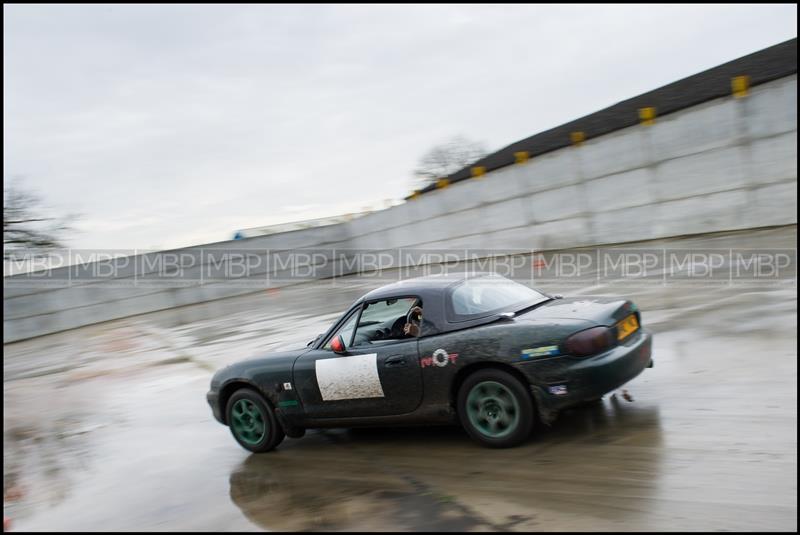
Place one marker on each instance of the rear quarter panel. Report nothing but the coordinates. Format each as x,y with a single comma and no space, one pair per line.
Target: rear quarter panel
469,349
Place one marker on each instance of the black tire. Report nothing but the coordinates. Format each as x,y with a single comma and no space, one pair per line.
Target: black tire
514,396
272,433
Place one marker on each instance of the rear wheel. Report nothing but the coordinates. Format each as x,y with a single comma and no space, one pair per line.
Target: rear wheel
252,422
495,408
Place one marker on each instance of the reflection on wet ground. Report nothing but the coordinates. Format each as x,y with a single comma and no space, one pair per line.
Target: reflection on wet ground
106,427
434,478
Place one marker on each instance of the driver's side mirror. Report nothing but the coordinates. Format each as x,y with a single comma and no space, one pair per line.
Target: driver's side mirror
337,344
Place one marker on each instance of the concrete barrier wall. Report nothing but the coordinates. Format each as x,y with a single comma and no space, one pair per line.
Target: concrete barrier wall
726,164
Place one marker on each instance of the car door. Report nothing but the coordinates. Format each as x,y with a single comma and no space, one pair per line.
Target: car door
372,378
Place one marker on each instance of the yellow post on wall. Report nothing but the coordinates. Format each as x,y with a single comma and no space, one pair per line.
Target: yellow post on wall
647,115
740,86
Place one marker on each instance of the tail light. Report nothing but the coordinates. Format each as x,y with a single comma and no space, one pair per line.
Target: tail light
590,342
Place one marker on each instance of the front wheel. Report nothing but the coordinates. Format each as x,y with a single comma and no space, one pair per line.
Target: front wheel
495,408
252,422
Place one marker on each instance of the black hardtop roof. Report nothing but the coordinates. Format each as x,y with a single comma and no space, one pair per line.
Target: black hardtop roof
429,284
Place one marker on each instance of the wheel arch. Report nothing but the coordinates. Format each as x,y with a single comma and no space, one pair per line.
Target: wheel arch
466,371
229,389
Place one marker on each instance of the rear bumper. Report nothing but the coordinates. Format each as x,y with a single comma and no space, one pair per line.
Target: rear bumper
560,382
213,400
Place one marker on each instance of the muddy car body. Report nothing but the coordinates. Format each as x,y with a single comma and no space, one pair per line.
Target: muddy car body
488,353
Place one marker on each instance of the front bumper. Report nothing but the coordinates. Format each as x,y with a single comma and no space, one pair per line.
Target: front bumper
213,400
560,382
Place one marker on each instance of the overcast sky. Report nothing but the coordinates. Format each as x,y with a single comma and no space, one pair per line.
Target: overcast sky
173,125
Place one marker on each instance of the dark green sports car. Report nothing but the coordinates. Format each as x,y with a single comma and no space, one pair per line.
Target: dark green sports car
482,350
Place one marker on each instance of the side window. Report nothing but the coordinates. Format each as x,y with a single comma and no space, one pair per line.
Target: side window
383,321
345,330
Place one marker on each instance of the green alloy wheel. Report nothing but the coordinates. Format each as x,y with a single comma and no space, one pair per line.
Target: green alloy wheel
252,421
495,408
492,409
248,422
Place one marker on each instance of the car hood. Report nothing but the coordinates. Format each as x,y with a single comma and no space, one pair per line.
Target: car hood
279,360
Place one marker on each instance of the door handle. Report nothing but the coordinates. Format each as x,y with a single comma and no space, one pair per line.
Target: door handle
395,362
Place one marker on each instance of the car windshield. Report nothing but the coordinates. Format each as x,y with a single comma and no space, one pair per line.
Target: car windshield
492,294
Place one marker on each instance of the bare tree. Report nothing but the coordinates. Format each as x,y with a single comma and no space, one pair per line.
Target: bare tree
446,158
25,228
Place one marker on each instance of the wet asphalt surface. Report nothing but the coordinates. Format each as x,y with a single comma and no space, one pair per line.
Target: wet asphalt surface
107,428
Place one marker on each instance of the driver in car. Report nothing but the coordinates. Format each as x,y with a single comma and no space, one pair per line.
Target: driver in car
412,328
